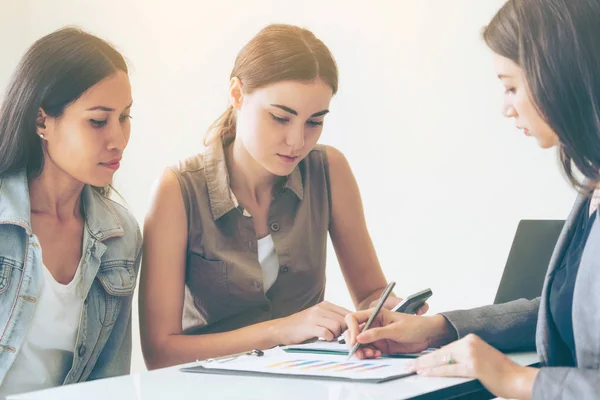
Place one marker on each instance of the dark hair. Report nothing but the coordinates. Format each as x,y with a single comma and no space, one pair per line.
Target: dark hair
556,44
277,53
55,71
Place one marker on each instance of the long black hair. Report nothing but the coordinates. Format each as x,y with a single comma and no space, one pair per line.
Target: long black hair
556,44
55,71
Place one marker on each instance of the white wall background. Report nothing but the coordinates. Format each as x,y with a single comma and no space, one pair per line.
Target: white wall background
444,178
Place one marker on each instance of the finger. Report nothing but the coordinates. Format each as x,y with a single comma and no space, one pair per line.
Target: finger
365,352
362,316
340,320
369,352
359,354
316,313
443,356
454,370
335,308
374,334
350,334
353,329
423,309
330,324
322,332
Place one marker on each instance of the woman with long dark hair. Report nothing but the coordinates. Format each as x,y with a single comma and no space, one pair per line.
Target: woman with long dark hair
546,54
68,254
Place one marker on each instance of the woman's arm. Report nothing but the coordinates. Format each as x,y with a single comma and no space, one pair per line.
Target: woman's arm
349,234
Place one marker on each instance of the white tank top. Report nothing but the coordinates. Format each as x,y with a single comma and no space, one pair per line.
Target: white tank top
46,355
267,257
268,260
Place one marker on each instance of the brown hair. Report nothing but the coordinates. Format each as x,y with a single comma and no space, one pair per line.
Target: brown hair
555,43
277,53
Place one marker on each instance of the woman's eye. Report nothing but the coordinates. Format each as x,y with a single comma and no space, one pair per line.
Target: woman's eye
98,123
281,120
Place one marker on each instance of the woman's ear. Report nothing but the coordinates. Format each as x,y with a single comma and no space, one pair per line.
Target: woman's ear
236,94
40,122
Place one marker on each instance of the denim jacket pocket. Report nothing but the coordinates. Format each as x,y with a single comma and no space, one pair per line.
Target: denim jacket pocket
118,277
6,267
207,280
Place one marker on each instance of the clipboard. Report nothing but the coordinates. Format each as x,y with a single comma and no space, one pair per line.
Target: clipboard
202,370
278,364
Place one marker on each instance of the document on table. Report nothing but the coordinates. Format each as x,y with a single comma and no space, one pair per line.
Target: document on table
316,366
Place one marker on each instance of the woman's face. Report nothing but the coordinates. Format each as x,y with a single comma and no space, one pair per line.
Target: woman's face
519,105
87,141
281,123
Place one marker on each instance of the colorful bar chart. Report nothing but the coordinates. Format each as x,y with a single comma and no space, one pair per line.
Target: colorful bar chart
320,366
328,366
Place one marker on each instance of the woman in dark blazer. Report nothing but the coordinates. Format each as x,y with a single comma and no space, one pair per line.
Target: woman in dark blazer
547,54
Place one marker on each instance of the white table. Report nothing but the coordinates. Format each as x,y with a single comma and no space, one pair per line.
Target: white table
171,384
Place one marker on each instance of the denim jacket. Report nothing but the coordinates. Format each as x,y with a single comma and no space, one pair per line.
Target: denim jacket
110,262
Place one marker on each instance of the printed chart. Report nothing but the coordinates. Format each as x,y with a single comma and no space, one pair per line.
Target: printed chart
329,366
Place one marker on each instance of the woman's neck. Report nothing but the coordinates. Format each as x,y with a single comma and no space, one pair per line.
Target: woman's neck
55,193
247,176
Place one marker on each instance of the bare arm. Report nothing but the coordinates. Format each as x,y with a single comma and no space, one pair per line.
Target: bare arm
162,285
349,234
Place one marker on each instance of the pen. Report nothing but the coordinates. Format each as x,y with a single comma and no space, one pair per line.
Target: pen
382,299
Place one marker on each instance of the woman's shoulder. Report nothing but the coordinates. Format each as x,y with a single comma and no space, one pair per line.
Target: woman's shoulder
325,156
189,165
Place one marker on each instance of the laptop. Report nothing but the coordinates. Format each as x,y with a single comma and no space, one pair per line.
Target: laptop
528,260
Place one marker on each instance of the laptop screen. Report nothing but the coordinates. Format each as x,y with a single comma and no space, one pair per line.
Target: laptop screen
528,260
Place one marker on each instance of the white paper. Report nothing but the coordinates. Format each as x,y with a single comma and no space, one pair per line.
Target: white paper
315,365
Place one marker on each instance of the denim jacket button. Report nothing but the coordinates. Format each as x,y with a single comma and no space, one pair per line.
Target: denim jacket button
82,350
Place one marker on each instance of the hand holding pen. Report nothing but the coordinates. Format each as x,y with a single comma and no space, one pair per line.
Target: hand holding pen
384,295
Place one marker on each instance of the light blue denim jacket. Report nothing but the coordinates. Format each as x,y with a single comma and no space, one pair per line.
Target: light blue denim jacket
110,262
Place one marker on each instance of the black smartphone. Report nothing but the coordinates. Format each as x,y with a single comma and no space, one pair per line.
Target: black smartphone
412,303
